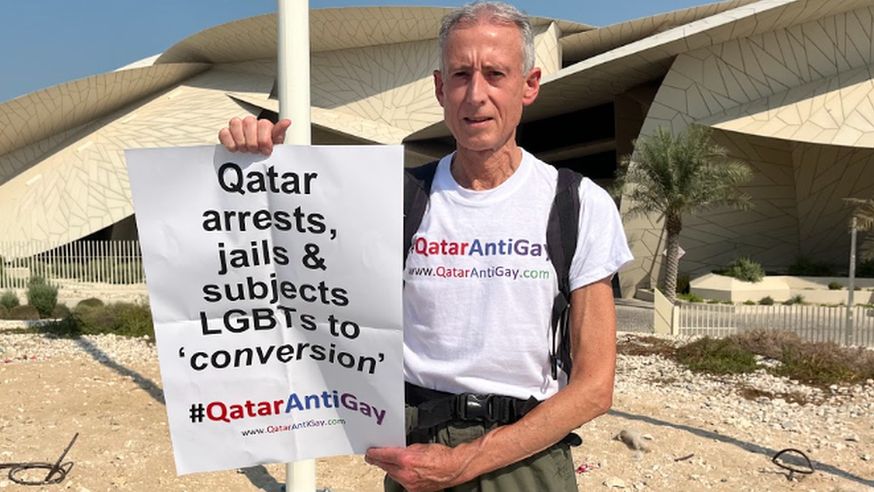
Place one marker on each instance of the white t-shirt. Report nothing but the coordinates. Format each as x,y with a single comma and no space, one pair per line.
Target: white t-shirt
479,284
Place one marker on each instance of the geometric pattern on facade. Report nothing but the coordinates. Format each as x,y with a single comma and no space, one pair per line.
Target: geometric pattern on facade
83,187
596,41
812,81
331,29
597,79
53,114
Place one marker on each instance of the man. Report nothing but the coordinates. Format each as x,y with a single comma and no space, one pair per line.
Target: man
486,333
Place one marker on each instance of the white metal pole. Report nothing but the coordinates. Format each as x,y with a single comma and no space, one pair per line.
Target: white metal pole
293,84
851,287
293,68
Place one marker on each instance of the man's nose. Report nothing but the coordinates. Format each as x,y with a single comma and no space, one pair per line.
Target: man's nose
476,90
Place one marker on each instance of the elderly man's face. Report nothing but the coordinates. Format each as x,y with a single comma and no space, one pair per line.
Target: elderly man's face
482,88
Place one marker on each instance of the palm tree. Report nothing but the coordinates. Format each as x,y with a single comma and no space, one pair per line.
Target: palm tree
863,212
672,175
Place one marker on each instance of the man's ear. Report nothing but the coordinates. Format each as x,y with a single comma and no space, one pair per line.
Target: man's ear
438,86
532,86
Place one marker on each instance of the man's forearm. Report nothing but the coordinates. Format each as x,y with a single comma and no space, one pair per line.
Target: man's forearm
548,423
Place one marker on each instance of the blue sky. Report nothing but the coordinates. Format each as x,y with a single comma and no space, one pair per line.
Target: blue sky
46,42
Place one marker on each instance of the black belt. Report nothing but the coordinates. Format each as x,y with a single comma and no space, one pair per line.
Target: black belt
438,407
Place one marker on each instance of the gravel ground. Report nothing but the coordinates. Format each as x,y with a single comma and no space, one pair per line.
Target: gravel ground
695,432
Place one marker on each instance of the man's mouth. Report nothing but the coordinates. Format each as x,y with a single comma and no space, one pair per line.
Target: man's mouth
476,119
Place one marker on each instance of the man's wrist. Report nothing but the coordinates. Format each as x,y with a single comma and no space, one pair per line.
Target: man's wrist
465,455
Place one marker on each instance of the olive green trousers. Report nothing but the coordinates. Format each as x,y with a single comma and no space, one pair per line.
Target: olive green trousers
549,470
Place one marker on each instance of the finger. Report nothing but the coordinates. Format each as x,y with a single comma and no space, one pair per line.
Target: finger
235,127
390,468
385,454
226,139
265,140
279,130
250,132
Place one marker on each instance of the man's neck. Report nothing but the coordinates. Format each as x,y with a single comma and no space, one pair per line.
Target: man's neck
487,169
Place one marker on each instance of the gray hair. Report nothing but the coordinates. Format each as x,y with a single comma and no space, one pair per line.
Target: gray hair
494,12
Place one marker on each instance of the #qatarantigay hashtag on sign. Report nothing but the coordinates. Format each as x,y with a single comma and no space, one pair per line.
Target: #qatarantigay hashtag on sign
221,411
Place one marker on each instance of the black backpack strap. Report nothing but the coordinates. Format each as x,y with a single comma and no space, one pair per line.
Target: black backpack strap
561,242
417,188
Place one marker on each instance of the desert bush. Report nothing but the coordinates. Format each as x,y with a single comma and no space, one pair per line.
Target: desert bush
91,302
823,364
716,356
745,269
683,283
9,299
835,286
67,327
60,311
865,268
42,296
768,343
809,268
766,301
25,312
797,299
645,346
749,302
121,318
690,298
4,313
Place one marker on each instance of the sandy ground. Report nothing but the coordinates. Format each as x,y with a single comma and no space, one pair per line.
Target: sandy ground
124,444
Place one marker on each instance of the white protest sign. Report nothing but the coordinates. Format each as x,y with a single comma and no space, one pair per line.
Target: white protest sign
275,286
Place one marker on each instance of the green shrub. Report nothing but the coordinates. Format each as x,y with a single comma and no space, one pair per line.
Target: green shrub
819,364
683,283
768,343
135,320
835,286
745,269
60,311
824,364
42,296
690,298
766,301
9,299
90,302
67,327
25,312
749,302
806,267
4,313
122,318
865,268
723,356
798,299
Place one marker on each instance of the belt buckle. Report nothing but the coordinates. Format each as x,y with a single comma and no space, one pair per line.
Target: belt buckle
474,407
